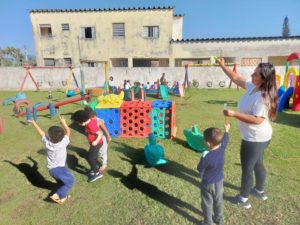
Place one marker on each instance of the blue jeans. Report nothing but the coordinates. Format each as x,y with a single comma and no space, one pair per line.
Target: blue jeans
66,177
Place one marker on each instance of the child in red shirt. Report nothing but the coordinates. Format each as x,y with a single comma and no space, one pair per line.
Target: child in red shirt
94,136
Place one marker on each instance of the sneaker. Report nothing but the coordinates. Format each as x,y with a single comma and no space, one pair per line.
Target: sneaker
95,177
56,199
237,200
260,195
62,200
92,173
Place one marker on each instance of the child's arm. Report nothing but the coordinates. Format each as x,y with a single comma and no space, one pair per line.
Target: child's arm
65,126
201,167
38,129
227,127
99,137
103,127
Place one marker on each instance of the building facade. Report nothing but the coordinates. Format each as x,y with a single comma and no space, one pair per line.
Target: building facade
140,37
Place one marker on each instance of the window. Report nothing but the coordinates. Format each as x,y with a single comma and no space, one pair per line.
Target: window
151,32
68,61
118,30
91,64
119,62
250,61
161,62
88,32
65,27
49,62
45,30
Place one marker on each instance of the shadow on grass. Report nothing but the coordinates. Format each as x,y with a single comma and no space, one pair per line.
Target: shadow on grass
231,186
72,162
33,175
78,128
171,168
288,119
218,102
131,181
136,155
80,151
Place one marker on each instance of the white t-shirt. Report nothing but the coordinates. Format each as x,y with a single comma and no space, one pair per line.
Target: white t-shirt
56,153
253,104
127,86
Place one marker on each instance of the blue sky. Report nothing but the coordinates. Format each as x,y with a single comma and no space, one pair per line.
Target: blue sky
203,18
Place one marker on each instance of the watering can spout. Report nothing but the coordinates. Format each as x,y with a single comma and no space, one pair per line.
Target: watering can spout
152,139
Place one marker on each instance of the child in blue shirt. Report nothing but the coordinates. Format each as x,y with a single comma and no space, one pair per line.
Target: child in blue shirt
210,168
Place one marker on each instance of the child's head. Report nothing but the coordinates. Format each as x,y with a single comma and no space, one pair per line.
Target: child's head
90,111
56,134
212,137
80,116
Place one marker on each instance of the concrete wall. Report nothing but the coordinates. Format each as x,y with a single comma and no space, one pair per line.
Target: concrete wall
238,49
68,44
11,77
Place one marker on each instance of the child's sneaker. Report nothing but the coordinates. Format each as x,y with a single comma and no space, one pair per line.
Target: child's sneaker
55,198
95,177
238,201
258,194
62,200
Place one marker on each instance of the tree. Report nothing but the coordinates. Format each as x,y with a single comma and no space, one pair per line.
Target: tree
11,56
285,27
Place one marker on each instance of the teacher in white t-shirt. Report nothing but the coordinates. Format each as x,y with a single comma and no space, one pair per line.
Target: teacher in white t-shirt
256,109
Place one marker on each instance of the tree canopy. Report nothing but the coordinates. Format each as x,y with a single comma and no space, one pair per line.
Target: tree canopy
285,27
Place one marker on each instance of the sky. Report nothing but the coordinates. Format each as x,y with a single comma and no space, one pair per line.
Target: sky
202,18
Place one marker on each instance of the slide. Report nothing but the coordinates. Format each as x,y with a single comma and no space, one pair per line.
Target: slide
284,98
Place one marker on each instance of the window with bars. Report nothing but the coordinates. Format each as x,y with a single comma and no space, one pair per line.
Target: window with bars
151,32
68,61
45,30
91,64
65,27
49,62
88,32
118,29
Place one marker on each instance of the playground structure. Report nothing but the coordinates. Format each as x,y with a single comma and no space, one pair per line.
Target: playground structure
209,83
70,92
291,86
40,106
195,139
139,118
19,96
163,91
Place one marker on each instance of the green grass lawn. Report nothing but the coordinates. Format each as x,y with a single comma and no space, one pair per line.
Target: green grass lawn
130,193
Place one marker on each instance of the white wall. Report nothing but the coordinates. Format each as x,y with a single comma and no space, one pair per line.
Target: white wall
11,77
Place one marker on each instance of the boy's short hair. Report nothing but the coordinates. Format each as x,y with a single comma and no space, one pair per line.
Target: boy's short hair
80,116
213,135
56,134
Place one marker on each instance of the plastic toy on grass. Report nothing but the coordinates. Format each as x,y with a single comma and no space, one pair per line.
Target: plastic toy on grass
195,139
19,96
154,153
110,101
